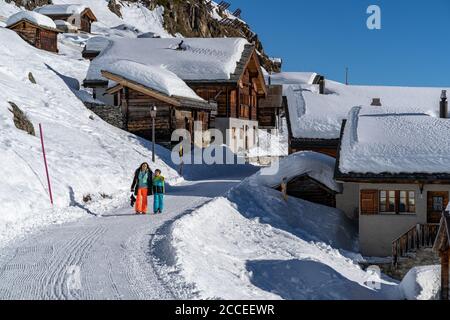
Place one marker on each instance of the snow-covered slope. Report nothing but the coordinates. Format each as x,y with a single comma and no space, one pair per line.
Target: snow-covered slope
86,156
319,116
252,244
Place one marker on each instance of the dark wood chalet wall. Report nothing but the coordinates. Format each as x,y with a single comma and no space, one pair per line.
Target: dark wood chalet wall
136,109
270,107
37,37
329,151
306,188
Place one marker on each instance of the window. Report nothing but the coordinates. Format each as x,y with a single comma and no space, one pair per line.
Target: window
397,201
438,203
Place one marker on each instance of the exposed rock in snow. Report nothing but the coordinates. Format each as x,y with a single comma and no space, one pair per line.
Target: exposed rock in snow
422,283
32,17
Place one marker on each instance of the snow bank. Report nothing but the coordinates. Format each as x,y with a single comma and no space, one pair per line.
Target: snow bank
153,77
202,58
32,17
319,116
252,244
224,254
377,141
61,9
422,283
315,165
86,156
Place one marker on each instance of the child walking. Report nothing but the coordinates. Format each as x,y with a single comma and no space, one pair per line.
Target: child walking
158,192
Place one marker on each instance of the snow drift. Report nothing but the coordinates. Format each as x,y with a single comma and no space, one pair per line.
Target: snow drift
252,244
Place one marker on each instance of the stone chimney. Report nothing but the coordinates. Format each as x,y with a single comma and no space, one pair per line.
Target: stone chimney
376,102
443,105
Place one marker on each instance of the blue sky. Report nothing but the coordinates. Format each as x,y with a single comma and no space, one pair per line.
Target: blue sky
411,49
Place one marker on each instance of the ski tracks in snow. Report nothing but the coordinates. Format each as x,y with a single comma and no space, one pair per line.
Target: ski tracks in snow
108,257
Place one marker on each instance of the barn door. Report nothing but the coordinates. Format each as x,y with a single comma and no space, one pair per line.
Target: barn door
436,203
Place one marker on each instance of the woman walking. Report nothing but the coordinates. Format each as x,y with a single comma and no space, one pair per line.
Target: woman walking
158,191
142,187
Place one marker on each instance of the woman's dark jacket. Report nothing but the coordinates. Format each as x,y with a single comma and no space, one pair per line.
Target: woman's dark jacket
135,185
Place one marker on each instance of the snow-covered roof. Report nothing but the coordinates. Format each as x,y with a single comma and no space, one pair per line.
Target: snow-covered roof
97,44
200,59
61,9
153,77
319,116
33,17
315,165
376,141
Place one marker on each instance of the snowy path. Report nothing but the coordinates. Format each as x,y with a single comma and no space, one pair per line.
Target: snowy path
110,252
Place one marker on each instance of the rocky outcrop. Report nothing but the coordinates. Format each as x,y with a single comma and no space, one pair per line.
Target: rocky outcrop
30,4
20,119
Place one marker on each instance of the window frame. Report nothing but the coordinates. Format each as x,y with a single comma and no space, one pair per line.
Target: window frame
385,201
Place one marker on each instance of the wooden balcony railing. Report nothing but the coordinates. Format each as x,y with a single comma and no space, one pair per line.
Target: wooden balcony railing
419,236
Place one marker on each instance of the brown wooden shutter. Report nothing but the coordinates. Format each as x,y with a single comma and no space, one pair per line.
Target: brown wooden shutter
369,202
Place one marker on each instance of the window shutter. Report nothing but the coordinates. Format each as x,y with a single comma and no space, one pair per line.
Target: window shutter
369,202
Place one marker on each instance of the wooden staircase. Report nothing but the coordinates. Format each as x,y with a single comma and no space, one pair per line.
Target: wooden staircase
421,236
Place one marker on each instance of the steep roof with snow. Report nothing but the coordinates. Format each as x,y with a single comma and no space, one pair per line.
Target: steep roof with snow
32,17
61,9
199,59
315,165
154,77
316,116
380,142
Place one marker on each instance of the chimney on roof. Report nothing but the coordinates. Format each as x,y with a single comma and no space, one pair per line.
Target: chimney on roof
376,102
322,85
443,106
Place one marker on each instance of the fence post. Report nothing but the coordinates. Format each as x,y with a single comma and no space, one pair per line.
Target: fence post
45,163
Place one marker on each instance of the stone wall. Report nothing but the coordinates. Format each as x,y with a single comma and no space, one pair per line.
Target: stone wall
110,114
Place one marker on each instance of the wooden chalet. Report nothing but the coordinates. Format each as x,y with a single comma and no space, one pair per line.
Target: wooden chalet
271,107
173,112
39,36
77,15
307,188
442,248
237,96
325,146
392,206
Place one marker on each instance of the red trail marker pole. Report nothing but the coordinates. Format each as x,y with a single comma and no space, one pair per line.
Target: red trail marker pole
46,166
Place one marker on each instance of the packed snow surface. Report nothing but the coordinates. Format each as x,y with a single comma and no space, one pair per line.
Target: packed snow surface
153,77
61,9
319,116
315,165
199,59
32,17
252,244
85,155
377,141
422,283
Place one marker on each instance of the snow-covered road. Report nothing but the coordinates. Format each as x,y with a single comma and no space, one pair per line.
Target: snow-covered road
98,257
